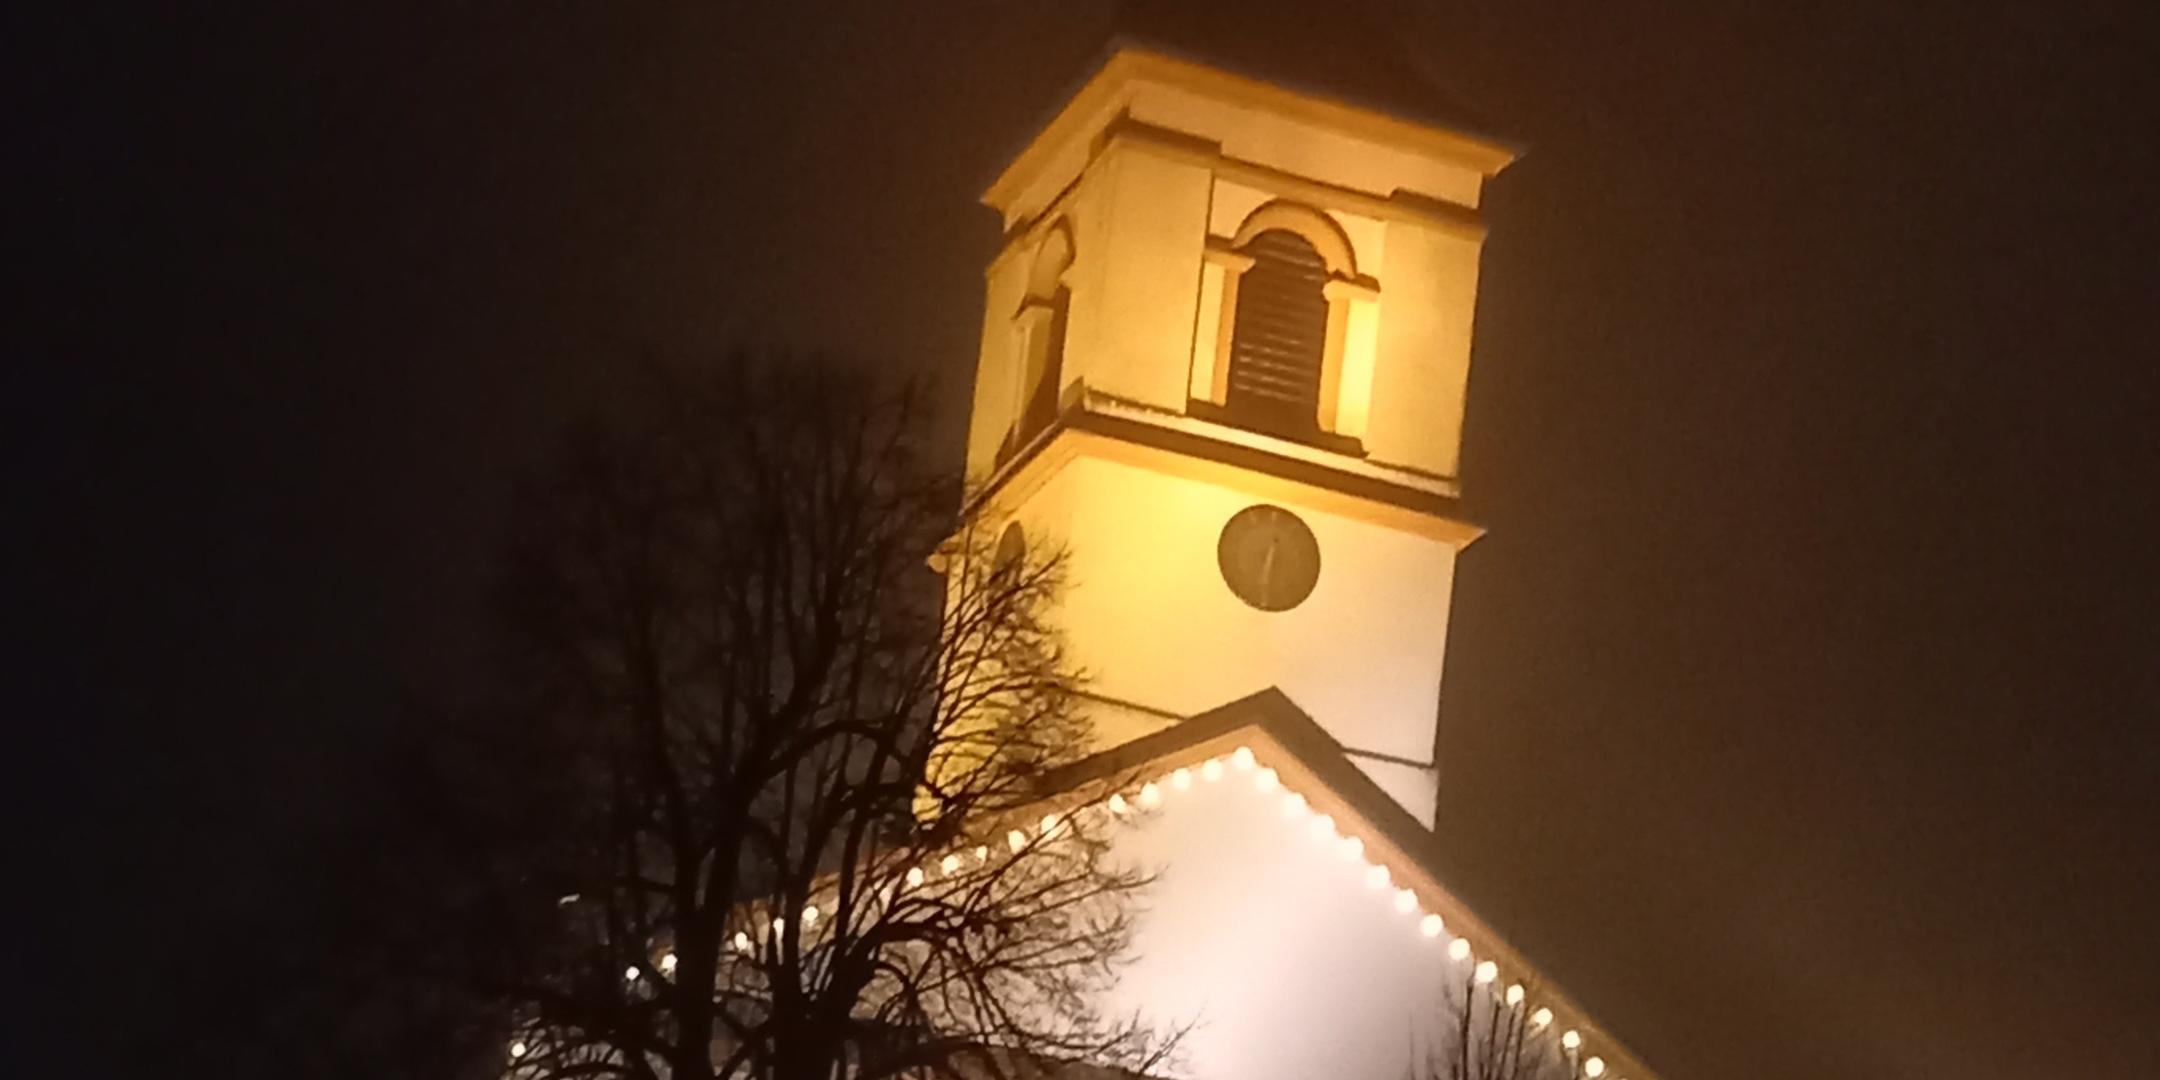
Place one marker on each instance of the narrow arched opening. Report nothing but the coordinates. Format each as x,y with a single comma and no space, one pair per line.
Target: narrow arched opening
1279,333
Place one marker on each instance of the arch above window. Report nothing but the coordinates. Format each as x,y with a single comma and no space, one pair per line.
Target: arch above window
1321,231
1053,257
1039,339
1290,352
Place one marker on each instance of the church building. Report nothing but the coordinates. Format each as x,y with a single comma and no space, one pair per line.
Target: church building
1225,351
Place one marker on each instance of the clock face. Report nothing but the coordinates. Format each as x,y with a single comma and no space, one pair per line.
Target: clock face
1269,558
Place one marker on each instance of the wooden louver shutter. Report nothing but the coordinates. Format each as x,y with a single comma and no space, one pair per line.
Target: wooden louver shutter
1279,337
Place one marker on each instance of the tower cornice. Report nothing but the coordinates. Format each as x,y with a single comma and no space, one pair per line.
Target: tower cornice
1108,94
1094,424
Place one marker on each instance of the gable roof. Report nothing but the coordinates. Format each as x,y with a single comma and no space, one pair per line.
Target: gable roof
1268,730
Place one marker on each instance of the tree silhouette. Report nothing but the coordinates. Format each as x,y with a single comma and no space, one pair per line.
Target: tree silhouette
797,829
1493,1033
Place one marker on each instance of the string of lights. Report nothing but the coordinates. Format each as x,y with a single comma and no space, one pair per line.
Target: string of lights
1149,798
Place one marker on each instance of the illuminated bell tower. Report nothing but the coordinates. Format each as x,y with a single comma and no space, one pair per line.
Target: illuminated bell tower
1224,355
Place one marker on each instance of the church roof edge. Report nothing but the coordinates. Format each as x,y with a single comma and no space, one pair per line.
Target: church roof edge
1313,764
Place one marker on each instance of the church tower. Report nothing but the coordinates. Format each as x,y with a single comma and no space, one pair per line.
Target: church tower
1224,354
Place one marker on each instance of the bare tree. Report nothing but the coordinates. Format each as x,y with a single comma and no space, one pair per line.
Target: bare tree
1496,1034
795,768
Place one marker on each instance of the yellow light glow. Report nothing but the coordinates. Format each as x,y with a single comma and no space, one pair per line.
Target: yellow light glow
949,863
1431,926
1294,805
982,853
1352,847
1487,972
1376,877
1459,949
1541,1018
1266,780
1323,826
1016,840
914,876
779,927
1571,1039
1212,771
1148,306
742,941
809,916
1242,757
630,973
1594,1068
1150,796
1405,901
1514,994
1353,402
1049,824
667,964
1118,804
1181,779
518,1048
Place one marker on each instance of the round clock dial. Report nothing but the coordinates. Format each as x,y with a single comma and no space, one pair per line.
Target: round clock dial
1269,557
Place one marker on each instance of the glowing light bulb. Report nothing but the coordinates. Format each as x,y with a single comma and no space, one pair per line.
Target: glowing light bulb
1459,949
914,877
1376,877
630,973
1117,803
1352,847
667,964
1405,901
1541,1018
742,941
1323,827
1016,840
1431,926
982,853
1049,824
1212,771
1181,779
1571,1039
518,1048
1294,805
809,916
1514,994
1266,780
949,863
1487,972
1150,796
1594,1068
1242,757
779,927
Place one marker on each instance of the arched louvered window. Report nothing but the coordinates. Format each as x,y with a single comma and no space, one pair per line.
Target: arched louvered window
1044,358
1039,341
1278,342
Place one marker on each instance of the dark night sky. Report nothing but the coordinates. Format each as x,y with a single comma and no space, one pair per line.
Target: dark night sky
1800,701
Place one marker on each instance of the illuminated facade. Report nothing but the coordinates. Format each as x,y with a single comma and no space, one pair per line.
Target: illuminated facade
1225,351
